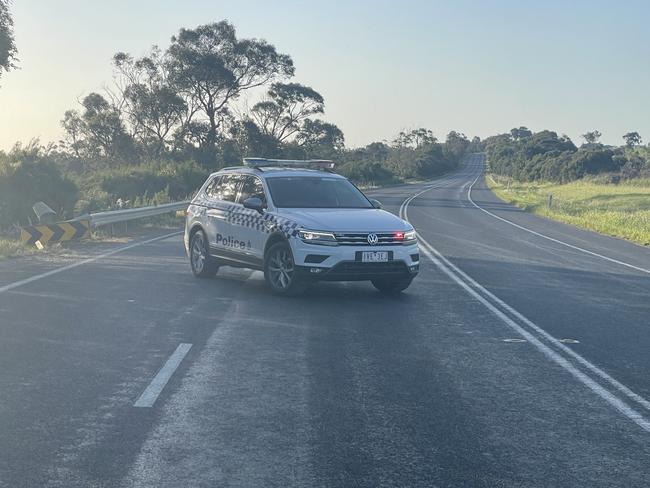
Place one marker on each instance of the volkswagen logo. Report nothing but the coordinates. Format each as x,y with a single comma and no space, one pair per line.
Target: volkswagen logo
372,239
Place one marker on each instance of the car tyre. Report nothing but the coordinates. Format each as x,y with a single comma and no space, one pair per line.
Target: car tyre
392,287
280,271
203,265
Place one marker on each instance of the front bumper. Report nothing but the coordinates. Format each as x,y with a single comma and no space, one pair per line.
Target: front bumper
343,263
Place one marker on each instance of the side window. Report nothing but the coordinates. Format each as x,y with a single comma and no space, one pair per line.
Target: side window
224,188
211,189
251,187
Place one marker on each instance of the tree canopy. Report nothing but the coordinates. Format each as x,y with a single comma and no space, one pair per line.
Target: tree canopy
179,102
632,139
592,137
212,66
287,106
8,49
545,156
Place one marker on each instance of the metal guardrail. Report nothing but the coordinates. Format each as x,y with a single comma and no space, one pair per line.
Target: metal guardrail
115,216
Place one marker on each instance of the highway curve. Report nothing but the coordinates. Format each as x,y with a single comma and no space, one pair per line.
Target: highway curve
518,358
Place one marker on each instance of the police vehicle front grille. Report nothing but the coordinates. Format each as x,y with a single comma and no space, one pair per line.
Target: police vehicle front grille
354,270
361,239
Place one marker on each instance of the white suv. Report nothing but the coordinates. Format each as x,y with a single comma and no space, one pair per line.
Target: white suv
298,225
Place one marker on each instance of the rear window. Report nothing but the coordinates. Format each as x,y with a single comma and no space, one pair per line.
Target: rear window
315,192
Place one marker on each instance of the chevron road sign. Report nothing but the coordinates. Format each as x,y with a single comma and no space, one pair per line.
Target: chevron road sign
40,235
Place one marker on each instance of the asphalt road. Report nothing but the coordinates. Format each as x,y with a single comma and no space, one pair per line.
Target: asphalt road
518,358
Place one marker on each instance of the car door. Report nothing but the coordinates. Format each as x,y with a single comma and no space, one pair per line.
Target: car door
247,224
221,194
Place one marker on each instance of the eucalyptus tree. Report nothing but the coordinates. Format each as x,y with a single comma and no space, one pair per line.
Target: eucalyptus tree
592,137
520,133
287,106
211,65
8,49
98,131
415,138
149,99
320,139
632,139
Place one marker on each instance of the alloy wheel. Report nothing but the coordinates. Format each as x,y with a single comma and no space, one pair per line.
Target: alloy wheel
281,269
198,253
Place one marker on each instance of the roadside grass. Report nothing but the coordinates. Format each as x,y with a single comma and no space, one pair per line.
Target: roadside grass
10,248
620,210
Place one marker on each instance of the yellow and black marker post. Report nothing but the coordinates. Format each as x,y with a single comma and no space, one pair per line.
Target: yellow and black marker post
39,235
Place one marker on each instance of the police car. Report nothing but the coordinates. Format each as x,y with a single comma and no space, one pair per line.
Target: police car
298,222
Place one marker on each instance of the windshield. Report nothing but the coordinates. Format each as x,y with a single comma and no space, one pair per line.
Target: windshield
315,192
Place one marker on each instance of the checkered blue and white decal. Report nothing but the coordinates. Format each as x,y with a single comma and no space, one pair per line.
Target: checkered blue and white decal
267,222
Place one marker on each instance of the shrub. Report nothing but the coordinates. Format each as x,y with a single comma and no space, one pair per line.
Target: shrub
27,181
366,173
176,180
545,156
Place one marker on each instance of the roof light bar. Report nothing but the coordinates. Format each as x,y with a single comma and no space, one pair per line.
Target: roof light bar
299,163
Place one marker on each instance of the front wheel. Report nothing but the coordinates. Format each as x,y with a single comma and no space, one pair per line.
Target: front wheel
203,265
392,287
280,270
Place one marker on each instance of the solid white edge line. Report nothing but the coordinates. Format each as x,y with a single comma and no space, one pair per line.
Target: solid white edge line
158,383
622,407
551,355
593,368
558,241
68,267
586,363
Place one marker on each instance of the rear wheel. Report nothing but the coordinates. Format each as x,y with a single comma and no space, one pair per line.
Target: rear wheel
392,286
280,270
203,265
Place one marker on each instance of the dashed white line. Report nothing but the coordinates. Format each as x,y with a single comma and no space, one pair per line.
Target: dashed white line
158,383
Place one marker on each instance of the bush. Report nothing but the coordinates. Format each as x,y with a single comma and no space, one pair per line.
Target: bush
24,182
408,157
545,156
367,173
176,180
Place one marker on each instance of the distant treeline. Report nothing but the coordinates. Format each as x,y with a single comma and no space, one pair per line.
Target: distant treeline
73,186
412,155
528,156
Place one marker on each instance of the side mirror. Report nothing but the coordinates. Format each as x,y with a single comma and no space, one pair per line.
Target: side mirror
254,203
375,203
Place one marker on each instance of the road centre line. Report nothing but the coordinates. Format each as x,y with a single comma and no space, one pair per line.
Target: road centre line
439,260
158,383
68,267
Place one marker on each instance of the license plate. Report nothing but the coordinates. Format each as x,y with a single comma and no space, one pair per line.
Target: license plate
374,256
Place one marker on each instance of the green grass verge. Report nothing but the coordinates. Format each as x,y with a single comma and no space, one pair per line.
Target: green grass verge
621,210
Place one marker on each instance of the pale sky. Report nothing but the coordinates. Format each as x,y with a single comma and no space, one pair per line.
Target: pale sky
480,67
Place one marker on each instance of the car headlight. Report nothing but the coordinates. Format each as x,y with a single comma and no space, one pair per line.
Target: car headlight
316,237
410,237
